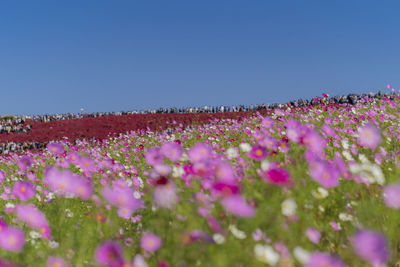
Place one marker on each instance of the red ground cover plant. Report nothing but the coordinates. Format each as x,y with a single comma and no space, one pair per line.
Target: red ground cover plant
101,127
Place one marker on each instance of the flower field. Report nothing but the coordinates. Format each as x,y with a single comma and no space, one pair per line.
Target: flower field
312,186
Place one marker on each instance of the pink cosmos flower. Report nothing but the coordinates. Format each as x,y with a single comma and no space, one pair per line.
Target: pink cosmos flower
369,136
24,162
313,235
171,151
154,156
314,141
203,168
391,196
371,247
122,198
324,173
200,152
24,190
109,254
67,183
150,242
257,153
87,165
319,259
269,143
55,148
32,216
55,262
12,239
224,172
73,158
2,176
236,205
165,196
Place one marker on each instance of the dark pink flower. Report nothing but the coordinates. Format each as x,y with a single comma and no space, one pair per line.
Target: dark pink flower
275,175
257,153
109,254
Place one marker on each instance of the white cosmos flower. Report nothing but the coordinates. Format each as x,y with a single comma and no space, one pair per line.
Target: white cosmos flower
236,232
289,207
265,165
245,147
302,255
320,193
266,254
232,153
218,238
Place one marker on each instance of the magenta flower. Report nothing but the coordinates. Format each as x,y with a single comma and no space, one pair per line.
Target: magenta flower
371,247
55,148
55,262
109,253
319,259
200,152
257,153
275,175
24,190
225,189
369,136
313,235
12,239
171,151
391,196
324,173
236,205
24,162
150,242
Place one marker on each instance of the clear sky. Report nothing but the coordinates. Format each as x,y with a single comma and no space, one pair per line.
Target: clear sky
113,55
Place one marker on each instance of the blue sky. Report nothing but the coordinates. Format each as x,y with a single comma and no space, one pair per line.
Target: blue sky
60,56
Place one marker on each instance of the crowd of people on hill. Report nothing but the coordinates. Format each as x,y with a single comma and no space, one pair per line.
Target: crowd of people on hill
16,125
21,123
